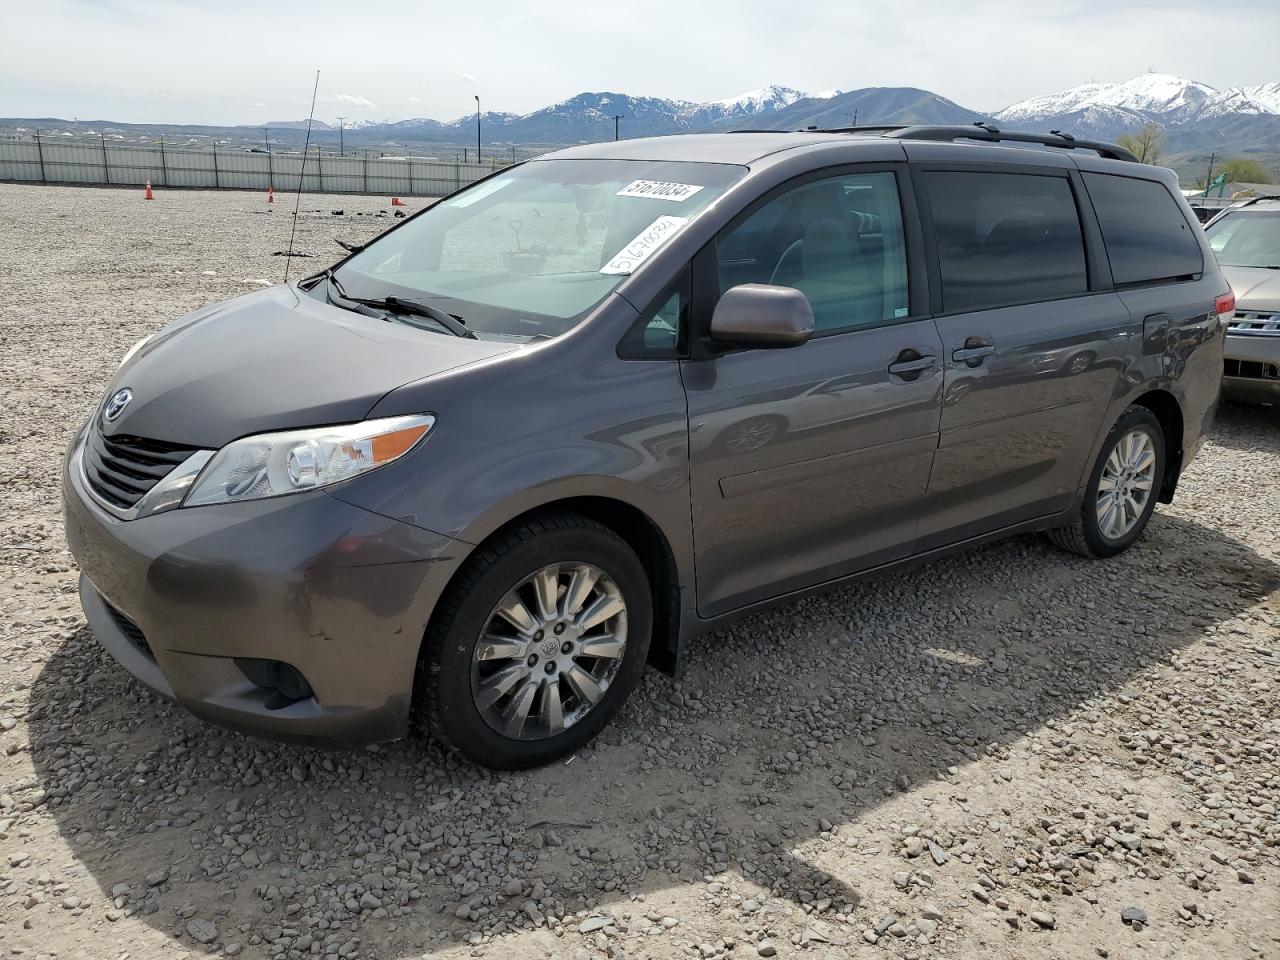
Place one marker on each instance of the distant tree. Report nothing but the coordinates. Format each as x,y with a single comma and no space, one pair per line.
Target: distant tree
1243,170
1147,144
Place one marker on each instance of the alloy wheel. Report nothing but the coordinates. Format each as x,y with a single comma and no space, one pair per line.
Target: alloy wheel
549,651
1125,486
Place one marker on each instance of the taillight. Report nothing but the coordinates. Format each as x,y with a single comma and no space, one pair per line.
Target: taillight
1225,306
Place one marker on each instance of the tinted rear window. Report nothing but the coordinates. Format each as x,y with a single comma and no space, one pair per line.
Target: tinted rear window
1005,238
1147,236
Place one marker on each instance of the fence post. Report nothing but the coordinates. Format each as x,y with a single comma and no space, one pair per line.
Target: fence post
365,171
164,166
411,190
320,167
271,174
40,152
457,177
216,181
106,170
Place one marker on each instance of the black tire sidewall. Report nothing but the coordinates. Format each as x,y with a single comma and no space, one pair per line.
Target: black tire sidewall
1100,545
455,712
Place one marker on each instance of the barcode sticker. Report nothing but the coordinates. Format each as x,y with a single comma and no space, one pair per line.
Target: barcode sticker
659,190
644,245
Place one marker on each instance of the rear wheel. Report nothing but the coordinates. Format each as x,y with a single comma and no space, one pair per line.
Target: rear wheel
1122,491
537,643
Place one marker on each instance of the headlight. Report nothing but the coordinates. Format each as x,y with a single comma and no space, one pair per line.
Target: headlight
273,464
132,350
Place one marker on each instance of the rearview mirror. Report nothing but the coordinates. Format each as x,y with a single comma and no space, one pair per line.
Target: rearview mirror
762,315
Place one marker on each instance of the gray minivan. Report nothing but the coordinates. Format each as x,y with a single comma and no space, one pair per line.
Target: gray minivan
485,469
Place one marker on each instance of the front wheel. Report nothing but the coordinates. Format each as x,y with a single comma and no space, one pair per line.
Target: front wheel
1123,488
537,643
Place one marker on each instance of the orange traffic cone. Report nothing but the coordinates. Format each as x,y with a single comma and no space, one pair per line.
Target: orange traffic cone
271,194
148,195
397,202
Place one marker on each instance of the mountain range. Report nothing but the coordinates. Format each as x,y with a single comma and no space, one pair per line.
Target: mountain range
1196,117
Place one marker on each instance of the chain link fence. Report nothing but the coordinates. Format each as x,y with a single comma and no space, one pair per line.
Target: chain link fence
59,160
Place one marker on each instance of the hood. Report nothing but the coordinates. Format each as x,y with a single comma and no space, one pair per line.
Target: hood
1256,288
275,359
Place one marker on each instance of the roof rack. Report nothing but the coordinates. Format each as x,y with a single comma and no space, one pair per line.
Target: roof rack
989,134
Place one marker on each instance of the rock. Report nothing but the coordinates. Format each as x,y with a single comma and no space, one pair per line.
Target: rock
1134,916
913,847
592,924
765,948
202,931
1244,876
939,855
157,877
512,888
1044,920
931,911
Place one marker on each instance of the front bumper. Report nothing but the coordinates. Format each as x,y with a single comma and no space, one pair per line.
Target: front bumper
1251,368
341,594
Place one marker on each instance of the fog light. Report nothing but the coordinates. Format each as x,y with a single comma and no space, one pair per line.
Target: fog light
282,679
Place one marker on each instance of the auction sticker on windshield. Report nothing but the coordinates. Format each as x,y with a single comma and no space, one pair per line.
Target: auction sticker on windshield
644,245
659,190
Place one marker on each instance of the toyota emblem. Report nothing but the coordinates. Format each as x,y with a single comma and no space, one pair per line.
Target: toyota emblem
116,404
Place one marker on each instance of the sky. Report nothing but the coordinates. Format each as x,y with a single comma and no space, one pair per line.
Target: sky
236,61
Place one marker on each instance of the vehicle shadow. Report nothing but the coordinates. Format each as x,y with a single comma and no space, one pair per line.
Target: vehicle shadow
786,729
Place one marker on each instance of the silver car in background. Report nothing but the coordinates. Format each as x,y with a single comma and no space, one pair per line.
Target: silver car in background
1246,239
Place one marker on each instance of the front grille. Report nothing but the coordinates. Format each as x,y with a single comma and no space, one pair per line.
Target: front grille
1255,322
121,469
131,630
1251,369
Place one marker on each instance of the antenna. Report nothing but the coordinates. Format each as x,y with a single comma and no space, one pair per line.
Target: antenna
306,146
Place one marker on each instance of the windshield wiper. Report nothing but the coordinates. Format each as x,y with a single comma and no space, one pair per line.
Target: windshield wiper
418,308
403,305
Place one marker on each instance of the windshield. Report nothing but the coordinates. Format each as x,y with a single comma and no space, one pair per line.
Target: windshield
1247,238
530,251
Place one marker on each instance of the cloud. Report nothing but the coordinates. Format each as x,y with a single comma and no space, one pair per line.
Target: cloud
467,78
262,106
351,100
415,99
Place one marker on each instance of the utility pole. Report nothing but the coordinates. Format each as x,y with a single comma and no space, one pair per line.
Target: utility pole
855,118
477,96
340,147
616,118
1208,177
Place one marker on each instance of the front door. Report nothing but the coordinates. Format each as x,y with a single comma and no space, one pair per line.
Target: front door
807,462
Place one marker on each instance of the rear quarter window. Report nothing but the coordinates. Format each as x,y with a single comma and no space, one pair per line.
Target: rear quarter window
1147,236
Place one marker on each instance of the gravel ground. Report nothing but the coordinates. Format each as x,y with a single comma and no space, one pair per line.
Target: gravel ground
1013,753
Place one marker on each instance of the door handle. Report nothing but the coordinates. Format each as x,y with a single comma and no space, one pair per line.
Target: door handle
912,366
973,352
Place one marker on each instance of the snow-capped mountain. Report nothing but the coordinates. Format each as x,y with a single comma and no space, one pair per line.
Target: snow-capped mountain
749,104
1194,115
1266,95
1153,96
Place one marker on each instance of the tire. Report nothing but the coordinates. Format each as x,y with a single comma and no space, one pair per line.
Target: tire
1087,535
470,650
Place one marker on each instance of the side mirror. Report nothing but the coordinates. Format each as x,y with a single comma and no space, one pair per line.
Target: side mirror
762,315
